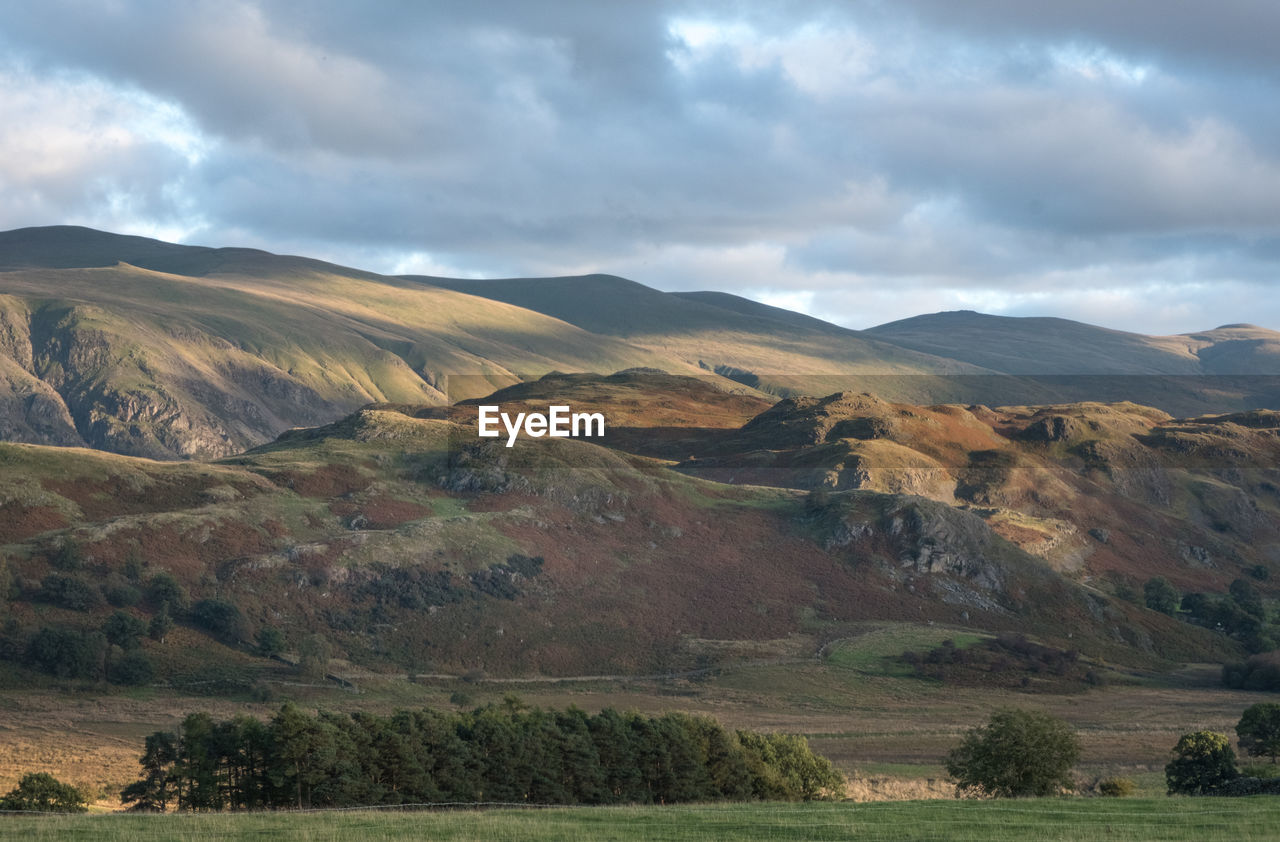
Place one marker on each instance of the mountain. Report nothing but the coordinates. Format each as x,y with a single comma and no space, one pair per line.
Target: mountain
141,347
147,348
1048,346
766,348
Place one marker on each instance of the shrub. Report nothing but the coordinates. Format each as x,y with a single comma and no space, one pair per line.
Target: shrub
69,592
43,793
1116,787
1202,762
132,669
121,594
1017,753
67,556
66,653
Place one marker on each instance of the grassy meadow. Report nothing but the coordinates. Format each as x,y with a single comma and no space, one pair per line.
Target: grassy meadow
886,730
1046,820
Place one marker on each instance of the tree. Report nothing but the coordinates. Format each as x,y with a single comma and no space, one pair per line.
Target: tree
67,653
158,784
43,793
1247,597
313,656
124,630
1160,595
270,641
1202,762
1259,730
220,618
161,624
164,589
1017,753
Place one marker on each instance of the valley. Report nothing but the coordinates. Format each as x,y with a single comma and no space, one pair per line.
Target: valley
287,497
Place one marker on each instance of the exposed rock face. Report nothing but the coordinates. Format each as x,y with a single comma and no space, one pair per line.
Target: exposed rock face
963,560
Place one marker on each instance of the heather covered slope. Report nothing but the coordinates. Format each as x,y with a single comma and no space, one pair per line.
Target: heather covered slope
410,545
1111,493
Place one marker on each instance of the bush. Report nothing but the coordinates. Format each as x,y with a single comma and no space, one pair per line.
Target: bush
43,793
122,595
69,592
1203,761
1116,787
66,653
1017,753
67,556
133,669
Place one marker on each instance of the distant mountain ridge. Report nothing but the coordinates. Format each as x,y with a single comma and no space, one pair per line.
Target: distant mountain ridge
1039,346
147,348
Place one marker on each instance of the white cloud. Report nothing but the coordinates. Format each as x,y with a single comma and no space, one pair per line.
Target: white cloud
860,161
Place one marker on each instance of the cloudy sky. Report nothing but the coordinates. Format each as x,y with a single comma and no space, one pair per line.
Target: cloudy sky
861,161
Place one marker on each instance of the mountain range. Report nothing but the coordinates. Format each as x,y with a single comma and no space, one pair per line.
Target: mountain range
320,475
141,347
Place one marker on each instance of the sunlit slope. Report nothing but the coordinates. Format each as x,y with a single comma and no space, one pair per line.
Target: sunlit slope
208,351
790,354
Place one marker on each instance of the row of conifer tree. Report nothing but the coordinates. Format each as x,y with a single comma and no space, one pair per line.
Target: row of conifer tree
494,754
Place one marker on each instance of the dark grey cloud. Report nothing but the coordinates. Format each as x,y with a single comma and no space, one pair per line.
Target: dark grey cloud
866,161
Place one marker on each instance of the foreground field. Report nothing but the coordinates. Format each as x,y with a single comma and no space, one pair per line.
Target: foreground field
1195,820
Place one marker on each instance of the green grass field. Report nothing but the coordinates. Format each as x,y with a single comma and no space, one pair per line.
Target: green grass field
1195,820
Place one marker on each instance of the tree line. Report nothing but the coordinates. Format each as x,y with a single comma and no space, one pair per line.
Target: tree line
506,753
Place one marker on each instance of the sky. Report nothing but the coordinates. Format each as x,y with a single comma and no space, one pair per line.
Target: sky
1117,163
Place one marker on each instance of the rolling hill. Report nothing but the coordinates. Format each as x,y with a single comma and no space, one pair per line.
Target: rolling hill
147,348
1048,346
141,347
408,544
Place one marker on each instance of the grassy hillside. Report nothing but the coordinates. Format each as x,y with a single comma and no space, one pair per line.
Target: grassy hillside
194,352
756,346
1047,346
